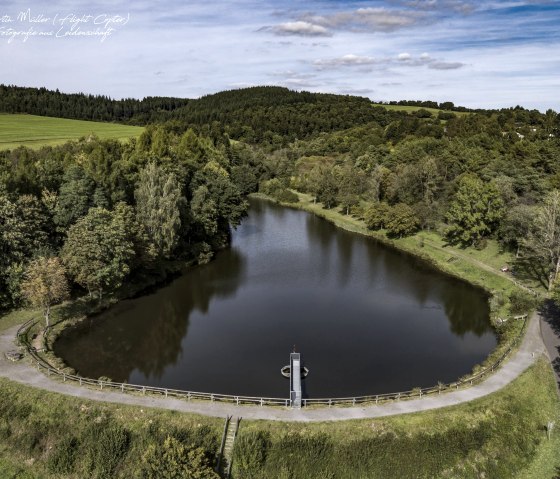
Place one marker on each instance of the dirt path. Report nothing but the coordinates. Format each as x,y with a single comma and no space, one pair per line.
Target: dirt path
531,348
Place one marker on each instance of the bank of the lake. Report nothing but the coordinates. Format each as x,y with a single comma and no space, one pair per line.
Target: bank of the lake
478,267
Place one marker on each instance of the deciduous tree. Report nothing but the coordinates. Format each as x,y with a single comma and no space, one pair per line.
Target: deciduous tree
543,240
475,212
45,284
158,201
401,221
98,251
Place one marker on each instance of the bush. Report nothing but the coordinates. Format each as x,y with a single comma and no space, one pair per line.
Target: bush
521,302
199,437
250,454
278,191
286,196
62,459
105,445
174,460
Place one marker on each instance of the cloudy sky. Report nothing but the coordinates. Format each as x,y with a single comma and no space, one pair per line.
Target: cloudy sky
474,53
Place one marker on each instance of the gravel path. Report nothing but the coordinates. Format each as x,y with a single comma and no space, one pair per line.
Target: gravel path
531,348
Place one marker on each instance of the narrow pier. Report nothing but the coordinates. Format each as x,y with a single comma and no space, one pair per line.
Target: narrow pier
295,380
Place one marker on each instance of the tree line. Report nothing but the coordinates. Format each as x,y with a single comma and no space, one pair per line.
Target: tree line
79,106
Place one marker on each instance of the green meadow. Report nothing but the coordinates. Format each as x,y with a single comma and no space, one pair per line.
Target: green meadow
37,131
412,109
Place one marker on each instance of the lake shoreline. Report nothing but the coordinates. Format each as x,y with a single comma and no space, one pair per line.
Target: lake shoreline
346,222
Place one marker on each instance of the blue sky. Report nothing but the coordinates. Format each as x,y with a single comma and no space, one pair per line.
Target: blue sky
474,53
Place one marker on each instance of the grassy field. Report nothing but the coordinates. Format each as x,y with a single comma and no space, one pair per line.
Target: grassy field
411,109
37,131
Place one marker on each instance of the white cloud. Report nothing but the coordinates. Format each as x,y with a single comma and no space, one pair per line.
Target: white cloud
344,61
302,28
402,59
371,19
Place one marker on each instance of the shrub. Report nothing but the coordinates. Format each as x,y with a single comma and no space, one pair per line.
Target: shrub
521,302
105,445
286,196
174,460
278,191
62,459
250,454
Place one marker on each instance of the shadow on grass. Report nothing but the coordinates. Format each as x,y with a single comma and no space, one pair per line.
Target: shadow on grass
84,306
528,269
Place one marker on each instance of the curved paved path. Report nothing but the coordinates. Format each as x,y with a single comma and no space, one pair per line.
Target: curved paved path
531,348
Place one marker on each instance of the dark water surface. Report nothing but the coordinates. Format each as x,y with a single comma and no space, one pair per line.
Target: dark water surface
366,319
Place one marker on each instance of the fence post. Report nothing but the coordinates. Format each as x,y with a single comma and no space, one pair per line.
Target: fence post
101,384
261,402
376,399
166,393
122,387
144,390
353,401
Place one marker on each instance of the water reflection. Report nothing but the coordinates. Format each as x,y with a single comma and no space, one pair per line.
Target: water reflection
367,319
146,333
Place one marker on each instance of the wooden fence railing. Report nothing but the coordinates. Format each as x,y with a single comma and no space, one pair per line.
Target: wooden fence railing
42,364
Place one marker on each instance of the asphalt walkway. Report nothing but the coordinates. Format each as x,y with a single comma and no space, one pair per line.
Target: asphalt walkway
550,330
531,348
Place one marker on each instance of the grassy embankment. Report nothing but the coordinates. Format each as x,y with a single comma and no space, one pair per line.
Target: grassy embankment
37,131
500,436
